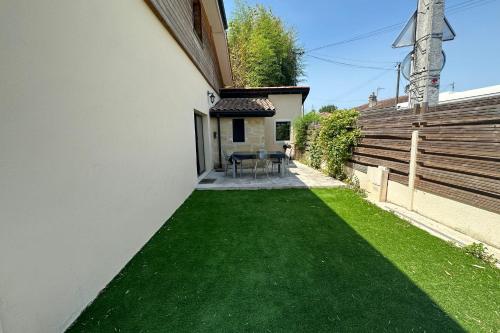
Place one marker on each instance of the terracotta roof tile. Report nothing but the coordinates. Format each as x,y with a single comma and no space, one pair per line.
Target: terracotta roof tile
243,104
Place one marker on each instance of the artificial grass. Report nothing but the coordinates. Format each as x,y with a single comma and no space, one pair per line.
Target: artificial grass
295,261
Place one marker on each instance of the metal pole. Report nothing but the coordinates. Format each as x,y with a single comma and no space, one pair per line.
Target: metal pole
219,141
411,98
397,84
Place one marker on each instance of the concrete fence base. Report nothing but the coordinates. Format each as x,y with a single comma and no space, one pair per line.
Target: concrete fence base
477,223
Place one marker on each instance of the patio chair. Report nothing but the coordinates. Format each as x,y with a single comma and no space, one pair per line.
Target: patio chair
262,160
228,162
277,162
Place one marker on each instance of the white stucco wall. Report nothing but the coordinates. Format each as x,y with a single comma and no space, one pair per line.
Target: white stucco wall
288,107
96,149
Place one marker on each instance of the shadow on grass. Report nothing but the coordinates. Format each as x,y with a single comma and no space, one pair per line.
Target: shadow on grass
263,261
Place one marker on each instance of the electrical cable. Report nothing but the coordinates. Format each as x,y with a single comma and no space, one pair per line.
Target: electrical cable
464,5
349,64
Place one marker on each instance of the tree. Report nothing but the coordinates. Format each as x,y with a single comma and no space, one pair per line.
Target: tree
263,51
327,108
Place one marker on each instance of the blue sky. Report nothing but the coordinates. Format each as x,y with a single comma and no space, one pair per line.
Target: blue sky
473,58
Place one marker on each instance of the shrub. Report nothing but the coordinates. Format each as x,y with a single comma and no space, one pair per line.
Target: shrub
315,149
337,136
301,126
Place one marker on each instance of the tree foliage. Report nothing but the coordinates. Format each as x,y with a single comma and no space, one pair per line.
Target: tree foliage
327,108
263,51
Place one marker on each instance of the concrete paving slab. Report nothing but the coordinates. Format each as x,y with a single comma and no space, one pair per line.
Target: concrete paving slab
298,176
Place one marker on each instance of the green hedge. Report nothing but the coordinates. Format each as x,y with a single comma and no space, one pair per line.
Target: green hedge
301,126
332,142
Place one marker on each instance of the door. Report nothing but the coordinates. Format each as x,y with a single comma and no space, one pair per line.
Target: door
200,144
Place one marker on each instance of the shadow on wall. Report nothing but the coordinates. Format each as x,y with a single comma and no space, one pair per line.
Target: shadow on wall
262,261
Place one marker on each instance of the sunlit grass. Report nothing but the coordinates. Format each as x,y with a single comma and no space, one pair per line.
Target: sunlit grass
295,261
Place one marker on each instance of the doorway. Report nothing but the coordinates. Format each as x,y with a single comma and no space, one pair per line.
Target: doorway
200,144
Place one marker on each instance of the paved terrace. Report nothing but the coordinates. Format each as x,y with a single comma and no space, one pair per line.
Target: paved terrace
298,176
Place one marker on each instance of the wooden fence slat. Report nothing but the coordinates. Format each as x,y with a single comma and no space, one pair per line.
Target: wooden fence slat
470,198
397,155
386,143
398,166
486,168
478,149
463,180
396,177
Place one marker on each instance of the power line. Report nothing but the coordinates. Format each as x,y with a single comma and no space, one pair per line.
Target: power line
350,64
459,7
464,5
359,36
371,80
355,60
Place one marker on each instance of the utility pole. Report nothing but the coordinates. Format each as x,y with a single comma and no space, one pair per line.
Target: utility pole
398,68
378,90
425,76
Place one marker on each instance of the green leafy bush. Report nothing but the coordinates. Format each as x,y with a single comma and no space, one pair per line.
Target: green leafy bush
315,149
337,136
301,126
330,143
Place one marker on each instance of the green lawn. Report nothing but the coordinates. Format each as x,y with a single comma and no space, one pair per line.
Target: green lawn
295,261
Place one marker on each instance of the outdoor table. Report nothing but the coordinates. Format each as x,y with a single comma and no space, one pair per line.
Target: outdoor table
252,155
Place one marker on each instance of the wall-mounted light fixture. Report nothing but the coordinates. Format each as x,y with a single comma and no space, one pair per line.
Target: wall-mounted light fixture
211,96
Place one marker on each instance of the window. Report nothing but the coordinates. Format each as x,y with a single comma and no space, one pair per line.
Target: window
238,130
282,131
197,26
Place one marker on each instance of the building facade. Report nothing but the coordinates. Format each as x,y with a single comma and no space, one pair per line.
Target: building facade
98,105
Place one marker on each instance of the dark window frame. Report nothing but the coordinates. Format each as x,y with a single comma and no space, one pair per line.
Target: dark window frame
238,130
276,139
198,20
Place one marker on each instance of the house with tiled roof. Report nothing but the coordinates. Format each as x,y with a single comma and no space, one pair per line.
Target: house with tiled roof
249,119
374,104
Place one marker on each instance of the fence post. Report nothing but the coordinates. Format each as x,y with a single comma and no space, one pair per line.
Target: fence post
384,180
413,167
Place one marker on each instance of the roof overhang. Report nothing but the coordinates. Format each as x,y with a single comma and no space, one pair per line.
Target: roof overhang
243,114
218,23
243,107
264,92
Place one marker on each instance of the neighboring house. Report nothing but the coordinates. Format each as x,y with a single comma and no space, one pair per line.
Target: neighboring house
444,97
104,131
373,103
255,118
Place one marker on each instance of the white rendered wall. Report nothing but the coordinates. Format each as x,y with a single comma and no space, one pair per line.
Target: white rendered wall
288,107
96,149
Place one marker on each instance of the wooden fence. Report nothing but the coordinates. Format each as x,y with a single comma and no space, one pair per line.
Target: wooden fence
458,150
